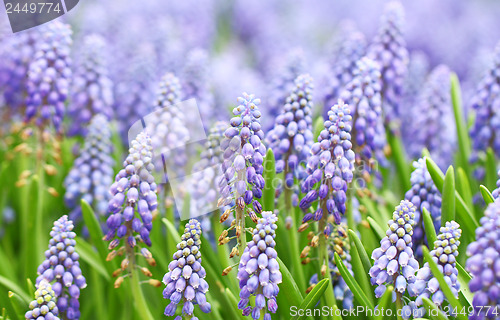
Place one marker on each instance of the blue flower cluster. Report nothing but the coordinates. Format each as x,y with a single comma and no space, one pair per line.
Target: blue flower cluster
92,171
62,269
243,156
389,50
362,94
423,194
485,104
291,137
433,124
92,89
185,281
44,306
350,48
445,256
484,265
394,262
418,67
134,191
49,75
330,167
258,271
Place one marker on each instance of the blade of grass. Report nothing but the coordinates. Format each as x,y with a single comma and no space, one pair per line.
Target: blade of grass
448,200
361,275
11,285
268,194
491,170
365,260
377,230
433,310
398,154
430,231
463,278
463,187
312,298
385,302
487,196
91,257
288,286
464,145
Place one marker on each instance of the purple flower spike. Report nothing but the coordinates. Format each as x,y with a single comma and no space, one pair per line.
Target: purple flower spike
394,262
484,263
135,176
444,254
186,274
261,281
423,194
49,76
485,104
362,94
44,306
62,269
332,162
389,50
92,170
92,91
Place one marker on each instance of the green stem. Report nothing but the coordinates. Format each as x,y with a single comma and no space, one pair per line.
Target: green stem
399,300
323,257
294,242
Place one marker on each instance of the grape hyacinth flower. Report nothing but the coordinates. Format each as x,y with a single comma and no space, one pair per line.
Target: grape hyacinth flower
444,255
485,104
92,171
258,271
291,137
62,269
484,265
330,168
362,94
49,75
394,262
433,125
196,83
418,67
242,182
167,125
350,49
185,281
338,243
423,194
44,306
389,50
133,194
92,91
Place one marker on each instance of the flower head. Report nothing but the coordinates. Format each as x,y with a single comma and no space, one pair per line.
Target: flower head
49,75
444,255
394,262
133,197
330,167
484,264
291,137
62,269
185,281
44,306
432,124
423,194
362,94
389,50
92,91
92,171
258,271
418,68
485,104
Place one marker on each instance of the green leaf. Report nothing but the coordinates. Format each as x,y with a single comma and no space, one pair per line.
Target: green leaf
448,202
268,195
11,285
318,127
288,286
463,187
17,303
430,231
435,313
454,302
464,214
491,175
398,154
234,305
379,232
91,257
464,145
351,283
361,274
312,298
171,231
464,278
487,196
95,233
385,302
363,256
